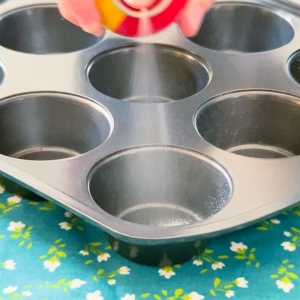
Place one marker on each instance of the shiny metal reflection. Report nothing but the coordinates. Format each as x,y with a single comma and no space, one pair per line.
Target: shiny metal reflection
294,66
47,126
1,75
160,186
162,255
238,27
181,74
256,124
42,30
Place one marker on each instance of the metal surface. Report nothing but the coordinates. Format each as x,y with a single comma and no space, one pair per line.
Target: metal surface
255,124
222,156
41,30
180,74
294,66
158,255
243,28
160,186
50,126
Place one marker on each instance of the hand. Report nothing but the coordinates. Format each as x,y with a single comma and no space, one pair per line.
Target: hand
88,18
191,17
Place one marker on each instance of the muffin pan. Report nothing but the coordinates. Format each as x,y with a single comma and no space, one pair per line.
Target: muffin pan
210,146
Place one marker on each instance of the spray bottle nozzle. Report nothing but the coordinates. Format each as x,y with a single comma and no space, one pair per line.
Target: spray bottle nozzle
144,8
142,4
124,16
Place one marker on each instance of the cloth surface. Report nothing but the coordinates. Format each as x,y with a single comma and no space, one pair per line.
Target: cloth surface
48,253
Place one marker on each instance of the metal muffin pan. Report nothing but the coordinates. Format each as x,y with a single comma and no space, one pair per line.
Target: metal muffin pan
215,149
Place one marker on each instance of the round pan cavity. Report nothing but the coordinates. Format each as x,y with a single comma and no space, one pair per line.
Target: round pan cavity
42,30
1,75
256,124
148,73
48,126
236,27
294,66
160,186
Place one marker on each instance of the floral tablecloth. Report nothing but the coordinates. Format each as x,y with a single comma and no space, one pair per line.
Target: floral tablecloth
48,253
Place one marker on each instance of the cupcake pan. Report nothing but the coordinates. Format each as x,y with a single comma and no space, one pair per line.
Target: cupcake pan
208,146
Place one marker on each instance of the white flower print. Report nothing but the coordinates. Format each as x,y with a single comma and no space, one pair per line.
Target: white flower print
285,286
286,233
51,265
94,296
288,246
26,293
14,200
236,246
166,272
77,283
111,281
124,271
2,189
198,262
165,261
9,265
241,282
103,257
84,252
68,214
15,226
134,252
195,296
65,225
275,221
128,297
229,294
10,289
217,265
116,246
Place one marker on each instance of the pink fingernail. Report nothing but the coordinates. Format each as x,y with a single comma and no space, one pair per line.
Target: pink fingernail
94,28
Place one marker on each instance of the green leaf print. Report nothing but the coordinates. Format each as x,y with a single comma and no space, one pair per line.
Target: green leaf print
207,256
21,233
217,282
53,256
73,222
95,248
294,237
227,287
284,277
267,225
110,277
47,205
177,294
248,256
143,296
63,284
14,292
297,211
11,203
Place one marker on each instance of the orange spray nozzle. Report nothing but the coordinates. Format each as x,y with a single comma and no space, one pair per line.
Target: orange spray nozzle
124,16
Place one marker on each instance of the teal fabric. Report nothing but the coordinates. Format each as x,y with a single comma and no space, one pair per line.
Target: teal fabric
48,253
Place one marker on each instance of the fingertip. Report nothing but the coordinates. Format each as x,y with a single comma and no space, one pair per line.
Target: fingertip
87,17
99,31
190,24
192,16
65,13
94,27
